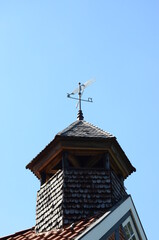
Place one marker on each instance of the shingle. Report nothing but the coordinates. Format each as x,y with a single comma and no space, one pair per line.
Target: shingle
84,129
85,194
49,200
75,194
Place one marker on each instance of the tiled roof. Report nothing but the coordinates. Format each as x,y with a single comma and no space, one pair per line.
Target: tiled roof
68,233
84,129
79,229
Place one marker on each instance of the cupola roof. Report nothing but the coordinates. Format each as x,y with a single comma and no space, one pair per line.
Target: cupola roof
81,128
82,136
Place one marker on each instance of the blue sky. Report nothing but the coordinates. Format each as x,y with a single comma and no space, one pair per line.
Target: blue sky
46,48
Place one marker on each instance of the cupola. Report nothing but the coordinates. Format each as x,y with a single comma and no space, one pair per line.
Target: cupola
82,172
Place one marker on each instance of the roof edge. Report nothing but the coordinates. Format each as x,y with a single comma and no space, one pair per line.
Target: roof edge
16,233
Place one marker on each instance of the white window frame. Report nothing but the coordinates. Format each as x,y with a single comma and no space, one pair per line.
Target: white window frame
100,227
129,219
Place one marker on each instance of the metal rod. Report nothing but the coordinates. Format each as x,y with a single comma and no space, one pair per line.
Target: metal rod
79,94
84,100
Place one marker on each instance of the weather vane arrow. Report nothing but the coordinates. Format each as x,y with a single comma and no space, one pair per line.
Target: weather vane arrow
80,91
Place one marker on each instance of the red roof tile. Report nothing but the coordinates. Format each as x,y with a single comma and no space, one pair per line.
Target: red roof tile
67,233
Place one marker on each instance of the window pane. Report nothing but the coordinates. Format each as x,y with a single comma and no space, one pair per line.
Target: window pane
133,238
130,228
127,232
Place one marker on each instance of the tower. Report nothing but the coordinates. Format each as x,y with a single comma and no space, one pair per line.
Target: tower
82,194
82,172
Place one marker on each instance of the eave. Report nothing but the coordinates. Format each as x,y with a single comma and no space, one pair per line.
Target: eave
51,154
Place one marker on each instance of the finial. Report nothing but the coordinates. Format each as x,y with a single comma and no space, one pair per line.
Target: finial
80,115
80,91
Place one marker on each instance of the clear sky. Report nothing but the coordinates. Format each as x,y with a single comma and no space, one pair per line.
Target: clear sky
46,48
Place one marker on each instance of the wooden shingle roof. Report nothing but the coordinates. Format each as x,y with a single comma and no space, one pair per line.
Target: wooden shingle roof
82,135
84,129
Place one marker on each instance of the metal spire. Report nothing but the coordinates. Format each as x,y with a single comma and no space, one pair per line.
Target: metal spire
80,91
80,114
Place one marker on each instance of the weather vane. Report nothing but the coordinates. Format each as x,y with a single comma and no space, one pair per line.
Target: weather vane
80,91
